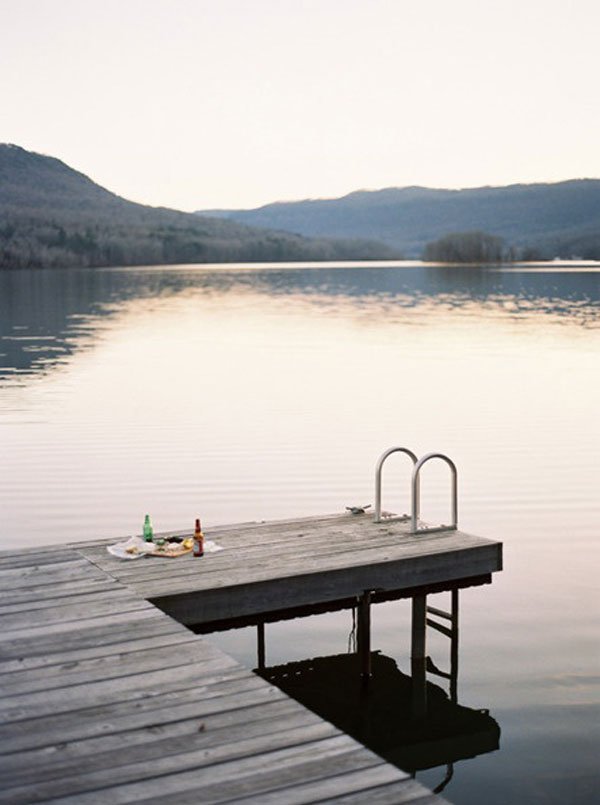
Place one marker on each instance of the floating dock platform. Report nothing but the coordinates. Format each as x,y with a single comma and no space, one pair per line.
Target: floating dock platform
106,697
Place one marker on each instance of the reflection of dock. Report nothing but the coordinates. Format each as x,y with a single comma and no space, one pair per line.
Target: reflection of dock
105,698
380,714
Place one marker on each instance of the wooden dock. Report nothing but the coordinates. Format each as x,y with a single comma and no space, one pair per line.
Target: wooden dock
106,698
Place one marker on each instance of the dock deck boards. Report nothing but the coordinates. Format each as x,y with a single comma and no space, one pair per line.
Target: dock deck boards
294,563
105,698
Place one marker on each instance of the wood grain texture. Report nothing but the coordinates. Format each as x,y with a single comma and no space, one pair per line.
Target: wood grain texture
295,563
104,698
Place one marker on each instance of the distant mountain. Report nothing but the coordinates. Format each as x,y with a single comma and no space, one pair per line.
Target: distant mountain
549,219
51,215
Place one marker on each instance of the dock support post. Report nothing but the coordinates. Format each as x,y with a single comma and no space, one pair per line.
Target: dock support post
454,647
364,634
418,659
260,648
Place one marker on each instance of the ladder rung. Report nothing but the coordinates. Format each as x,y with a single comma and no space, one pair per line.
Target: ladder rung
439,612
439,673
439,627
433,669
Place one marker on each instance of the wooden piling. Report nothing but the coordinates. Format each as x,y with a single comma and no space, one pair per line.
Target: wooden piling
363,637
260,646
418,656
454,647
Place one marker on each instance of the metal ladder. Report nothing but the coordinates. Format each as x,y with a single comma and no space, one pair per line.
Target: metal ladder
415,496
451,633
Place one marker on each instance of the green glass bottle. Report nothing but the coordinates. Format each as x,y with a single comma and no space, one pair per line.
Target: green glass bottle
147,530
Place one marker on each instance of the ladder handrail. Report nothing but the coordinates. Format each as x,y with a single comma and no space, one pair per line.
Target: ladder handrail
415,489
378,470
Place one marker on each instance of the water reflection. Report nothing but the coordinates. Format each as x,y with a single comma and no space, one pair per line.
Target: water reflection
47,315
379,714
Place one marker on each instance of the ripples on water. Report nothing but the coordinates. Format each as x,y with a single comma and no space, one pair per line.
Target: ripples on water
261,392
47,315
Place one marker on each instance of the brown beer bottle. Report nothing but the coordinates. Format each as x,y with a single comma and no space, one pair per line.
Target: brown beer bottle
198,548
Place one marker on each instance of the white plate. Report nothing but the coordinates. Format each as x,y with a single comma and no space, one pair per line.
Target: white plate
141,548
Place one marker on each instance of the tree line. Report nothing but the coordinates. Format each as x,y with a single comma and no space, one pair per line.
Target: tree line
36,241
482,247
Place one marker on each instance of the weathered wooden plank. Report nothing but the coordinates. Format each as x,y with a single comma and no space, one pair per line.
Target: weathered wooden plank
238,534
443,552
94,633
165,753
46,665
37,557
395,793
334,530
81,543
225,771
220,692
211,571
49,632
339,536
75,697
75,672
53,563
37,596
53,547
101,697
264,595
232,718
62,616
331,776
344,578
19,578
355,785
316,535
330,538
65,605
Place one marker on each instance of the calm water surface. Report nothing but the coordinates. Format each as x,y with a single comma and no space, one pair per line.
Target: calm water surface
260,392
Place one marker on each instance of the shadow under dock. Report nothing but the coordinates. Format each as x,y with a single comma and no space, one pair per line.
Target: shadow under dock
379,712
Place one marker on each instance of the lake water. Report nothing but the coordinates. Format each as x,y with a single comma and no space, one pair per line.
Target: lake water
259,392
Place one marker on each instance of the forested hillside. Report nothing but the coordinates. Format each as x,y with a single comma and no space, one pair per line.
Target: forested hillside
51,215
537,220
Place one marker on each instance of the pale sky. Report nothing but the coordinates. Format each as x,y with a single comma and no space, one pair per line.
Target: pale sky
195,104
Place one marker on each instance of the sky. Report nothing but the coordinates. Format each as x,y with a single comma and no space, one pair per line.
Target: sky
200,104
